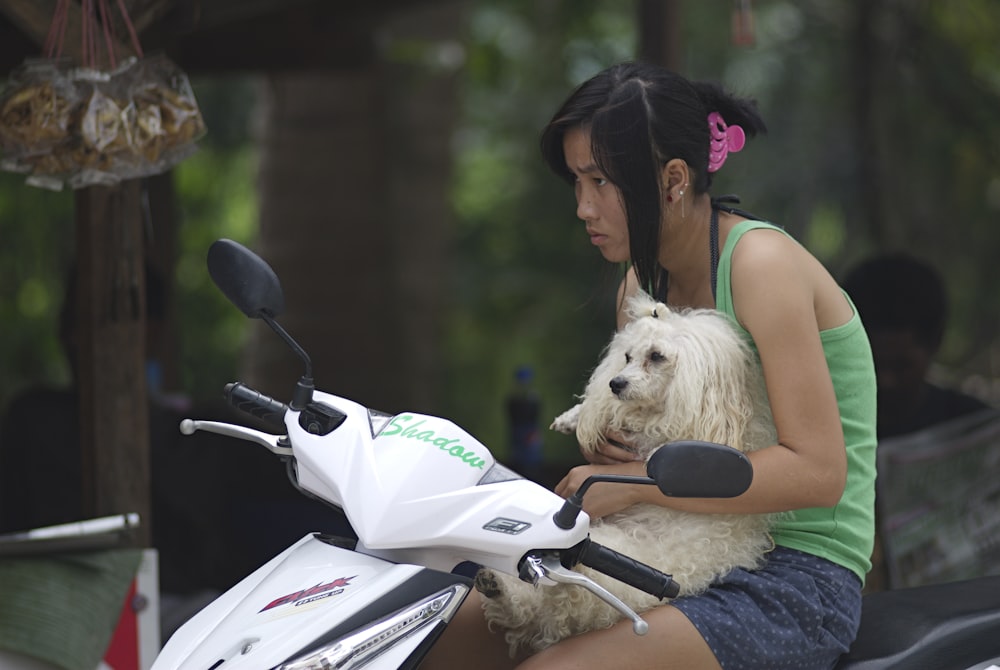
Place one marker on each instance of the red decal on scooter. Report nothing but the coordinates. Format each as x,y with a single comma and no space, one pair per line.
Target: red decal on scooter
311,594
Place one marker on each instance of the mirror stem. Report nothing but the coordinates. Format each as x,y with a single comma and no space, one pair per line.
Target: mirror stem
566,517
304,388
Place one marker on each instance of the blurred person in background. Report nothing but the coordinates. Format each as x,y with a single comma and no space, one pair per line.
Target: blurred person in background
904,306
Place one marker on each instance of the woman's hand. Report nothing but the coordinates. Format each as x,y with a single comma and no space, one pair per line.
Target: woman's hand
612,452
603,498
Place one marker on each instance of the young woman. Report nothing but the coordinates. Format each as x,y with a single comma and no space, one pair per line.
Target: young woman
640,145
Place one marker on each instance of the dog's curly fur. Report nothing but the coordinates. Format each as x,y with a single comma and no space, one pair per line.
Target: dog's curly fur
666,376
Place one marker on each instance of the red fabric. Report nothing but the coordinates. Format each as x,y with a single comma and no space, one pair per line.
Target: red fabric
123,652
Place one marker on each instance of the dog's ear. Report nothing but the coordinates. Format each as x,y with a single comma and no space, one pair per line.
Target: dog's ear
657,310
642,304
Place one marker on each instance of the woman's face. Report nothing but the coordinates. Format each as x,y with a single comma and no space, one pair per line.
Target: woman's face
598,202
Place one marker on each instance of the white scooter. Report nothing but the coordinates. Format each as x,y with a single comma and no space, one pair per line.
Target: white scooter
424,499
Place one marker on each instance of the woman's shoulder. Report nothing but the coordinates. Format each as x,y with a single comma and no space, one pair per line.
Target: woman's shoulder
758,243
770,264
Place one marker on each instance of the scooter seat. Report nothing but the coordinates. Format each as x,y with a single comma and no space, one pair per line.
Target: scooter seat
947,626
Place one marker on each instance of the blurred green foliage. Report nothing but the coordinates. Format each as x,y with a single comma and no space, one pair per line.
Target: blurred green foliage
37,229
215,198
527,288
883,136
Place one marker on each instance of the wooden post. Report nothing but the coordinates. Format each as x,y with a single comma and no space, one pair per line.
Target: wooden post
161,250
114,411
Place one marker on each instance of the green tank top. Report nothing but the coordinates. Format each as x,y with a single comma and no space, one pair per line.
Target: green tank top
843,533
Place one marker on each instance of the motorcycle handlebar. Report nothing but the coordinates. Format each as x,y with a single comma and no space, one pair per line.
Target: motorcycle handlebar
254,403
628,570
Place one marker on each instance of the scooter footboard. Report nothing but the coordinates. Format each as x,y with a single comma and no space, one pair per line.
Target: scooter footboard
312,598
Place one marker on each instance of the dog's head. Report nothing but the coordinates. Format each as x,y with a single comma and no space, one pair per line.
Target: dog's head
670,375
644,353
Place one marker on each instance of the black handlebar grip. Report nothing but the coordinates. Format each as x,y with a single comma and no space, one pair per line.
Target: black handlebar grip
245,399
629,571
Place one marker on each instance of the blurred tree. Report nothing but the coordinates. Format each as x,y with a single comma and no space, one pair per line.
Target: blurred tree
214,189
526,288
216,196
37,228
883,135
354,214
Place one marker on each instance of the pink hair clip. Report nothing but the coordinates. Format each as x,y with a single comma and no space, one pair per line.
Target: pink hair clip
724,139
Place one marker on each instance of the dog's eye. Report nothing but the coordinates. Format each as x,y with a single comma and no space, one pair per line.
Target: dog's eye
657,357
628,358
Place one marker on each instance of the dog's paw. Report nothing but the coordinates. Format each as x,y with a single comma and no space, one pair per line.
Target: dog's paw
486,583
567,421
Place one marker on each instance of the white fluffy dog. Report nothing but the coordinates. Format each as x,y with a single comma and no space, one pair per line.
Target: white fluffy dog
666,376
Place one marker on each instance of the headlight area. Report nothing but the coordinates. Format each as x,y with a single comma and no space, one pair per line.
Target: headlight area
365,644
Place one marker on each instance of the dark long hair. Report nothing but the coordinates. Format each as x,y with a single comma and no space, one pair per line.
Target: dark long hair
641,116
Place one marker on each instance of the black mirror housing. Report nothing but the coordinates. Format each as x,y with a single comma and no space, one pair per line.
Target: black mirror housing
245,279
696,469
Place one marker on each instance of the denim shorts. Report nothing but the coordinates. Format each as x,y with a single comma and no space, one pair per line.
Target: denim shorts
799,612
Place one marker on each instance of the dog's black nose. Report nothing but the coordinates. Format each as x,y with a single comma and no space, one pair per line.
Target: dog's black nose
618,385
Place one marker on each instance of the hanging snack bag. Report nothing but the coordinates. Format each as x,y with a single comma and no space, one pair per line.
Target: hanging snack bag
83,125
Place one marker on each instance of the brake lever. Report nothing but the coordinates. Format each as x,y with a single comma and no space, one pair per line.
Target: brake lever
537,567
276,444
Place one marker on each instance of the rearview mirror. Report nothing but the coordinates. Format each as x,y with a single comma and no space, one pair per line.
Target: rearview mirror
682,469
695,469
245,279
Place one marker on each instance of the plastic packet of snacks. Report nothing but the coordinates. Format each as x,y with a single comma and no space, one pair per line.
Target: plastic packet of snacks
64,125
